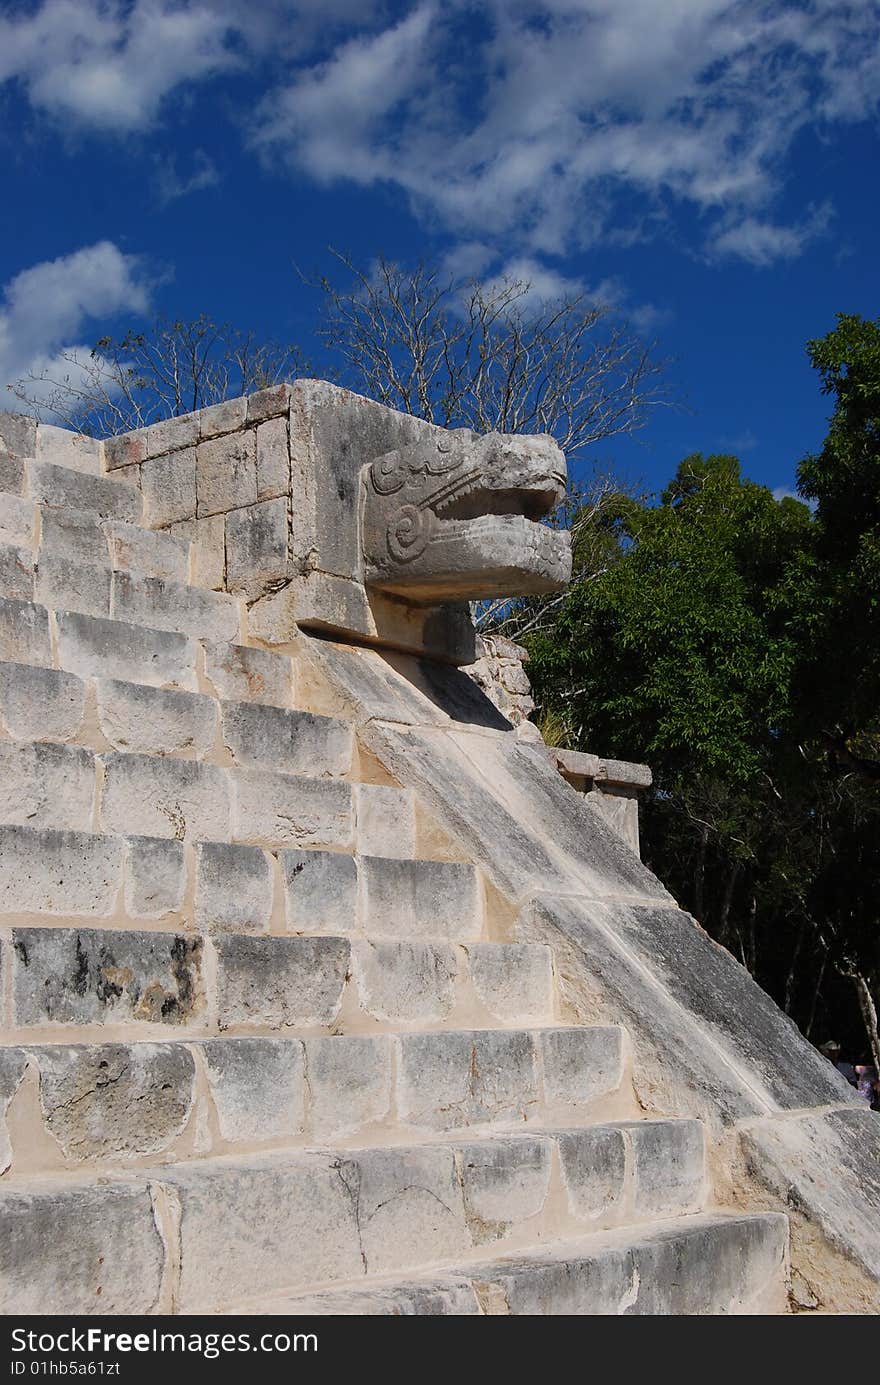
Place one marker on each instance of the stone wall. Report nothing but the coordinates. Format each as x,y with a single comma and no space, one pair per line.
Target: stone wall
499,671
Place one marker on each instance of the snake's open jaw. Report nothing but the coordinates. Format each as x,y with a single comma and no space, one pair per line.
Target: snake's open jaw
466,521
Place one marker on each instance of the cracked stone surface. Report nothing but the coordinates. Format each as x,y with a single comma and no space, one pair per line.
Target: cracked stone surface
115,1099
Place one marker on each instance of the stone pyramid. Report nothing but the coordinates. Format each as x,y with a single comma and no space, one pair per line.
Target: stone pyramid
323,991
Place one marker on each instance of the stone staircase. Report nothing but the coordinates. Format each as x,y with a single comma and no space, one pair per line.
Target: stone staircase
267,1042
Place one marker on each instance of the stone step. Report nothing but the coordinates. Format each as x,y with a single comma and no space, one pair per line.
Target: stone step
62,487
16,572
714,1264
124,877
329,1216
124,1103
129,976
22,440
89,647
82,536
123,793
68,585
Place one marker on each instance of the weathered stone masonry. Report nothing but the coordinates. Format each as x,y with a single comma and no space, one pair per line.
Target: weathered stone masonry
322,989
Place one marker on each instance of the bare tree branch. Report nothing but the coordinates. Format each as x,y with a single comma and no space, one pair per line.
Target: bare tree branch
175,368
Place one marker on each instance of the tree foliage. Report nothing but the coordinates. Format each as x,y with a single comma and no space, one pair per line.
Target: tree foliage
731,640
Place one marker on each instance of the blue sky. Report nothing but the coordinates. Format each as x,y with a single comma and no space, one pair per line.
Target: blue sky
710,168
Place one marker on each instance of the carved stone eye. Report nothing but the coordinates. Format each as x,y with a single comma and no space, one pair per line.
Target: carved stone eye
408,535
388,473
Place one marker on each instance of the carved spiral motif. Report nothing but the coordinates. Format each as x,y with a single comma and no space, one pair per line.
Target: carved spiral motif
408,535
388,473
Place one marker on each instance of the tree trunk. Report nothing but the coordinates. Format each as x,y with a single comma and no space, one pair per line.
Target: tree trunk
700,875
723,922
816,993
869,1014
789,980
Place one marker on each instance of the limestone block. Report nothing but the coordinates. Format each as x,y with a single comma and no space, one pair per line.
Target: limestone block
40,703
410,1207
12,473
148,796
448,1297
257,1087
16,520
438,899
60,873
117,649
306,1220
225,417
240,674
269,402
67,585
156,721
669,1166
704,1265
226,473
514,980
16,573
73,450
469,1077
320,891
115,1100
46,785
76,534
150,551
155,877
386,820
580,1065
348,1079
256,545
97,976
126,449
505,1182
272,459
709,985
107,1254
207,540
594,1171
24,634
65,489
13,1062
18,435
280,982
169,487
233,888
812,1162
171,434
290,742
406,983
287,810
165,605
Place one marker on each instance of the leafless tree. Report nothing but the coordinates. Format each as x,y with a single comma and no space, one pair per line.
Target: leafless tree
488,356
175,368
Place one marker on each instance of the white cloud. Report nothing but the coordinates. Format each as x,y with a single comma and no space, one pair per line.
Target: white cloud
336,115
762,244
44,309
111,64
532,127
532,131
171,184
